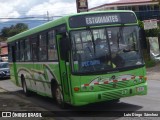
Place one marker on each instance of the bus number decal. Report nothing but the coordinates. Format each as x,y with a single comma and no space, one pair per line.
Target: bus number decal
90,63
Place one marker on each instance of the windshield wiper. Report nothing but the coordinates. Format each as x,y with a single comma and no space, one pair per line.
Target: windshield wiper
120,34
92,38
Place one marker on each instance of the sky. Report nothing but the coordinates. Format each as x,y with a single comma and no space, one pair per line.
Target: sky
30,8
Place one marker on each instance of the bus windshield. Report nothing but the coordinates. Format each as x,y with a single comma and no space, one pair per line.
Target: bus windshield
105,49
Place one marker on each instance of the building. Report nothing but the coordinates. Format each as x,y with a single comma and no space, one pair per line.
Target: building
144,9
3,51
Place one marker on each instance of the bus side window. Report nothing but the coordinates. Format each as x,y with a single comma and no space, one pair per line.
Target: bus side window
42,47
22,50
34,51
27,50
52,49
17,50
34,48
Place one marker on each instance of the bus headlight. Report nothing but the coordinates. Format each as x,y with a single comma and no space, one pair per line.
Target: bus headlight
91,87
140,89
84,88
140,80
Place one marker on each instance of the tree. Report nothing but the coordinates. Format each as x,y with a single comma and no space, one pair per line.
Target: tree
12,30
156,1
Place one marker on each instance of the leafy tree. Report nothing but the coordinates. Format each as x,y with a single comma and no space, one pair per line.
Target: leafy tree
12,30
141,25
156,0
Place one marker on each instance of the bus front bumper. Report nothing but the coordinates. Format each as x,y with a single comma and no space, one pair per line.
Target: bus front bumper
83,98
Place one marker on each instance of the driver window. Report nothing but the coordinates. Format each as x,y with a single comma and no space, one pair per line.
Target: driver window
117,45
114,38
130,37
100,39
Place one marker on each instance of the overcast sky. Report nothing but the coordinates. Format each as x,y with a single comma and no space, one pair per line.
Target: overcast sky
19,8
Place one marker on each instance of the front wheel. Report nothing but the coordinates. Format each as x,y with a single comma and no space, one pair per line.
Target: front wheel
59,97
24,86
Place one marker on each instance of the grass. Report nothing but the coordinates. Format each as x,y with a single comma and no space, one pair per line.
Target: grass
148,61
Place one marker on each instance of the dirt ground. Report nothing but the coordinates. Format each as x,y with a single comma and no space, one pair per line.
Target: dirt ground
153,73
12,102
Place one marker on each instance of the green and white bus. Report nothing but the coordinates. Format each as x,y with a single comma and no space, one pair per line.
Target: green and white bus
81,58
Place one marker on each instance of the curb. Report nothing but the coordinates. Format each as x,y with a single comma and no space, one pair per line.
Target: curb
2,90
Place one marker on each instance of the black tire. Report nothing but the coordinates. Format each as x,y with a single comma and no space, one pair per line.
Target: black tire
58,96
25,89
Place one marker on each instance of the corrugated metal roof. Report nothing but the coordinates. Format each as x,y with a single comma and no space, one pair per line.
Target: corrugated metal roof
131,1
126,2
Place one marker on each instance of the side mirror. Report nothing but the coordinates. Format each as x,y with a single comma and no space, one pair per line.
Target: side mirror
64,49
142,38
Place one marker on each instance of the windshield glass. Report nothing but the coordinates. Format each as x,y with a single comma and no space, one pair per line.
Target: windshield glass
4,65
104,49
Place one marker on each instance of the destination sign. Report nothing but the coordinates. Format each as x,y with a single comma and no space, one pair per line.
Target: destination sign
102,19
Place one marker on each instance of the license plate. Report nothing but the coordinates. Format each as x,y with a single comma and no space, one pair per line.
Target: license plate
124,92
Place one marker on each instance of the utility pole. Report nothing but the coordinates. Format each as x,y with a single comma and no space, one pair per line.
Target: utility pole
48,16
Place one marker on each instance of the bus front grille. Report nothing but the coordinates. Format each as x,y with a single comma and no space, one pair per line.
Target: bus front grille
118,85
113,95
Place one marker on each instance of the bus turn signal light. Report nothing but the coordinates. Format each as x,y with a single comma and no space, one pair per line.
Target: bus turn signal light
76,89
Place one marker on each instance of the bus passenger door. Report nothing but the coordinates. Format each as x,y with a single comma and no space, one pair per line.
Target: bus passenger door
64,65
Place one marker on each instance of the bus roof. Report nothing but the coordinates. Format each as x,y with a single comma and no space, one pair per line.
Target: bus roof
55,23
37,29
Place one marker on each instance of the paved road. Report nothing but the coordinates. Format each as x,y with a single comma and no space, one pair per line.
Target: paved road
149,102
